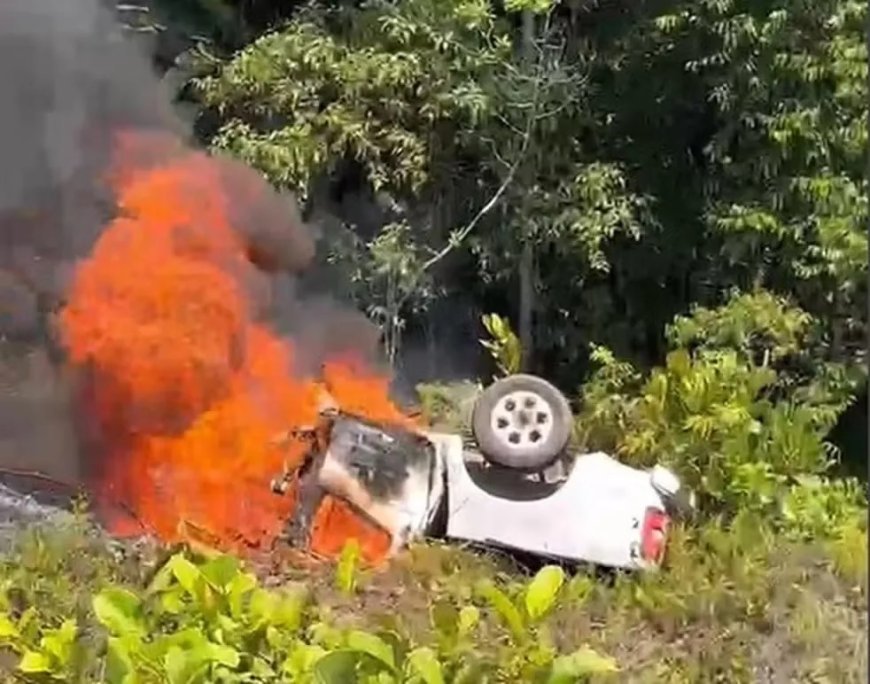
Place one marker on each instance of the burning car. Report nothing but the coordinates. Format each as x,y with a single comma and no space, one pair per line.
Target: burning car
516,486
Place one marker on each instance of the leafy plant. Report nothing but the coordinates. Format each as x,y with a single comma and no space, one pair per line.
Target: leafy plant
448,405
346,571
504,345
726,410
207,620
819,508
527,654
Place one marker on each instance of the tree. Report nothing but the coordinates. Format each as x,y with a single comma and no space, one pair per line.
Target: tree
412,99
605,170
772,97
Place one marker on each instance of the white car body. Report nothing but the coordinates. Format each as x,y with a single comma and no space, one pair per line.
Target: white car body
593,509
595,515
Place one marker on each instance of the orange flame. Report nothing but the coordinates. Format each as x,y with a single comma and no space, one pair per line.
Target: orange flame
186,388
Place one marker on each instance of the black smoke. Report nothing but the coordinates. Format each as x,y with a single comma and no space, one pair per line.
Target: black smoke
69,80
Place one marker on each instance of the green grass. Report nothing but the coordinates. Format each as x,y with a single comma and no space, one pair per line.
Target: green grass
732,605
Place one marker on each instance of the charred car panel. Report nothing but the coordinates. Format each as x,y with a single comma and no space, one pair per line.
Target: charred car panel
392,476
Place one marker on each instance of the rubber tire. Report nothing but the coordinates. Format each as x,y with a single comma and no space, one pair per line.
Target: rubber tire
530,459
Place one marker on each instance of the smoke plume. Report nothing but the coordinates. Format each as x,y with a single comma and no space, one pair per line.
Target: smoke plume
83,120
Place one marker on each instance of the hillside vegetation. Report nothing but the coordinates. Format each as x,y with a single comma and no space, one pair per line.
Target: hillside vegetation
667,201
769,585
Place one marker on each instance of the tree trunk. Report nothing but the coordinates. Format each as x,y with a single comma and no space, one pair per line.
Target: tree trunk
527,303
527,259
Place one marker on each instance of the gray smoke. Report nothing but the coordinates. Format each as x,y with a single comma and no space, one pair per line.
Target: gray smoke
69,80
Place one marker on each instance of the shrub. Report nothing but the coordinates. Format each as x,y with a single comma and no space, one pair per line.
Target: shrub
732,412
209,620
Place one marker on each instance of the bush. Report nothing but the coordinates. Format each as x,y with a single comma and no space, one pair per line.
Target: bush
772,581
731,414
732,600
448,406
209,620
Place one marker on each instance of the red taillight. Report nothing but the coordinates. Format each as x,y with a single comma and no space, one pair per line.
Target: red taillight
652,542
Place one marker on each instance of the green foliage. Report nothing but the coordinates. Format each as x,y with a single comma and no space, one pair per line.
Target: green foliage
346,572
51,656
523,652
770,332
694,162
300,99
818,508
764,328
208,620
653,160
387,276
582,214
504,345
737,409
729,599
707,416
770,101
448,406
849,554
392,91
45,586
811,147
424,105
533,6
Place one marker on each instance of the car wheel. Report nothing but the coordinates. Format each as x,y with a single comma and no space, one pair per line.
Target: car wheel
522,422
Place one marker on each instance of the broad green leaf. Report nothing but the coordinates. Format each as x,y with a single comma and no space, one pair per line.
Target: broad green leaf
445,618
469,618
580,664
8,630
261,670
221,571
543,590
172,601
290,608
373,646
302,659
337,667
263,604
161,581
345,574
579,588
189,639
679,362
502,604
34,662
424,663
326,635
239,588
190,663
29,619
119,662
181,665
185,572
119,611
284,608
225,655
58,643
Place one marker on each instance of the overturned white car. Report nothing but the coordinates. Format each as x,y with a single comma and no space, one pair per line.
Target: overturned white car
517,487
